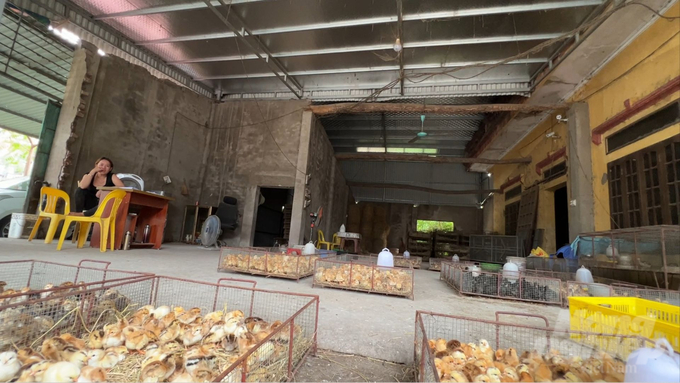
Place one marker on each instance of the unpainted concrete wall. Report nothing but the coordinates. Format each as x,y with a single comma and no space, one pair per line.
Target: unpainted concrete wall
246,153
148,127
388,224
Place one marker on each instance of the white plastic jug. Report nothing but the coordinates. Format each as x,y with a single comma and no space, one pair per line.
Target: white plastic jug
342,228
511,272
658,364
475,270
309,249
406,254
583,275
385,258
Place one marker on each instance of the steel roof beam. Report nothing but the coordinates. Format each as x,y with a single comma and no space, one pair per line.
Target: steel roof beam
412,118
371,20
380,47
370,69
168,8
397,145
274,65
398,137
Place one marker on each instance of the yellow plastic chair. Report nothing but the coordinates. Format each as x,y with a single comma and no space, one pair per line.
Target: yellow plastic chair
322,242
52,196
336,242
107,225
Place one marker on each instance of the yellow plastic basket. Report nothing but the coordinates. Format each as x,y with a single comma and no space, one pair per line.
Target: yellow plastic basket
623,316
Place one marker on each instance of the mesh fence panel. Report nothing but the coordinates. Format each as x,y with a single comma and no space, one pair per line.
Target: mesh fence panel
266,262
524,332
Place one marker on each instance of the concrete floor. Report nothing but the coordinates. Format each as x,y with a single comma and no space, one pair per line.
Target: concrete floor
372,325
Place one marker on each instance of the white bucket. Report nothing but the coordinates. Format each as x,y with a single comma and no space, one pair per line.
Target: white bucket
20,223
521,262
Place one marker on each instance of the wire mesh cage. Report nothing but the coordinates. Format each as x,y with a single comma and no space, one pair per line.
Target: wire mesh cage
272,357
650,252
495,248
436,264
410,262
523,332
361,273
471,280
27,279
270,262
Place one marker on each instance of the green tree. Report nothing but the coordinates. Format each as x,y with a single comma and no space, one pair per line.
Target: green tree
16,153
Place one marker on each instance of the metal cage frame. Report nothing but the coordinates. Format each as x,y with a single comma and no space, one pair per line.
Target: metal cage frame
304,266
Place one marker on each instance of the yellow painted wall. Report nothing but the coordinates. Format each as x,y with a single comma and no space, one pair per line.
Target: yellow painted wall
646,64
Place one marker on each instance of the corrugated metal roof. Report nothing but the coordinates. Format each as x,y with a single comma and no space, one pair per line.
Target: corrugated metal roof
34,67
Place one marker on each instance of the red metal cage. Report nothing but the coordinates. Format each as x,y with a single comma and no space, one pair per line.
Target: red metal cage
267,262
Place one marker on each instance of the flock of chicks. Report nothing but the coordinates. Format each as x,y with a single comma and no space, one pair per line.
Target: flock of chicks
274,264
460,362
177,345
368,278
35,312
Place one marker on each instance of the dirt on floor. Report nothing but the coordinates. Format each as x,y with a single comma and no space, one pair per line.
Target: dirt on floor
329,366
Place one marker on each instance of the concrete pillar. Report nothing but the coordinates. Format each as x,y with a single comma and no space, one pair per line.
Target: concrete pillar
580,180
298,222
249,218
487,215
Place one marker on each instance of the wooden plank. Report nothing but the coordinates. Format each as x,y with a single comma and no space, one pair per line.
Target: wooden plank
365,107
427,158
526,220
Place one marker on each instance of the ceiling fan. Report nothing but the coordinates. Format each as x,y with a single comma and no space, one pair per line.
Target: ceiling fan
420,134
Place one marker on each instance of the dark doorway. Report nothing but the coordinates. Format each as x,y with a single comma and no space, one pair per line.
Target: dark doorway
561,217
273,217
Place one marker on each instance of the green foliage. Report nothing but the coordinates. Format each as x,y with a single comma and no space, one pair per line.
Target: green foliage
14,150
425,226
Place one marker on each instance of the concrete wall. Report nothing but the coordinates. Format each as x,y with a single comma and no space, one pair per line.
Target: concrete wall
147,126
648,63
246,153
388,224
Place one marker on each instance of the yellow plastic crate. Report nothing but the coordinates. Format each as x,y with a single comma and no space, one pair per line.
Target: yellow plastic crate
623,316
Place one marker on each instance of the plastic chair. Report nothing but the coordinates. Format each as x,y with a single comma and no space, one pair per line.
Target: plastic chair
107,225
336,242
322,242
52,197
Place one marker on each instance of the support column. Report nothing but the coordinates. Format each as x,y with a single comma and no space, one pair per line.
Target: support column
298,221
249,219
580,180
42,156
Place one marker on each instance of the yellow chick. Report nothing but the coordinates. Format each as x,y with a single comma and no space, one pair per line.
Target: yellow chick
96,339
73,341
214,317
52,347
90,374
135,338
161,311
158,371
28,357
168,319
232,324
35,372
154,326
216,334
113,336
9,365
192,335
189,316
487,352
169,333
203,375
61,372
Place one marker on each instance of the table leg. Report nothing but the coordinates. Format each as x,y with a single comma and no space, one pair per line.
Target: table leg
156,219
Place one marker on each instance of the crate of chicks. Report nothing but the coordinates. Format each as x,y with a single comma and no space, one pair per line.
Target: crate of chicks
471,280
361,273
436,264
406,262
191,332
273,263
459,349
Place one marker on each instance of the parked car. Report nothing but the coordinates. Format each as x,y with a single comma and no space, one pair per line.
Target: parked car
12,197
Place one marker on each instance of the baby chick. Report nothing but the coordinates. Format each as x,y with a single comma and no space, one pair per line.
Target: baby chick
27,356
113,336
192,335
135,338
73,341
216,334
154,325
161,311
168,319
158,371
511,357
169,333
52,347
61,372
9,365
90,374
96,339
203,375
35,372
214,317
486,350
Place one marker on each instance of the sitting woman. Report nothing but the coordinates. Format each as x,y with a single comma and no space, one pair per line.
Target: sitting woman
87,195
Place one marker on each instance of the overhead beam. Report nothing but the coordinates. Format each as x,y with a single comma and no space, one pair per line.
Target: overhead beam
23,94
394,137
418,16
420,188
354,108
258,46
381,47
17,114
427,158
480,64
400,29
417,145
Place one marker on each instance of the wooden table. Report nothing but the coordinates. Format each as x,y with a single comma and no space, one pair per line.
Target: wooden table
350,237
152,210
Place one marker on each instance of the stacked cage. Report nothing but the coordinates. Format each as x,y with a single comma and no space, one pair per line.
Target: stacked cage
470,280
495,248
361,273
649,255
287,325
268,262
523,332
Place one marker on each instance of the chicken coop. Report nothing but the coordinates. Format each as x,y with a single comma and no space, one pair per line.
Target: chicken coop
647,255
361,273
274,355
521,331
467,279
24,278
495,248
268,262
